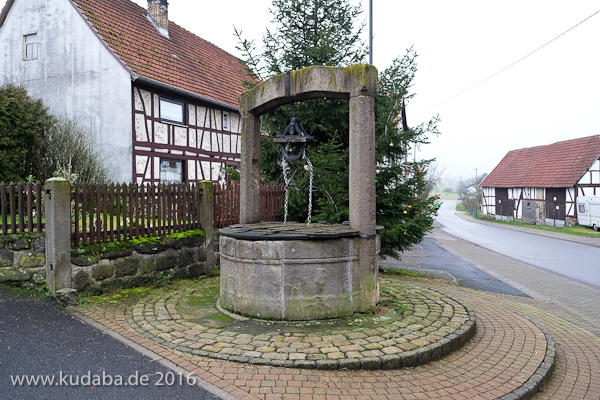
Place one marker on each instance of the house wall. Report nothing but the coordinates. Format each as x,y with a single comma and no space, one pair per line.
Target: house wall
589,184
515,195
203,144
531,204
570,208
74,74
488,206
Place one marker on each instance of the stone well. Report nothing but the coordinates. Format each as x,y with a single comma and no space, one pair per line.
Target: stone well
293,272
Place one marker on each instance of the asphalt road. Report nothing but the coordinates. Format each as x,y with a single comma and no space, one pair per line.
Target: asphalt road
575,260
428,257
40,340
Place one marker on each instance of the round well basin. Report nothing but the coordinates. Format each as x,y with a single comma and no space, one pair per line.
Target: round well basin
271,271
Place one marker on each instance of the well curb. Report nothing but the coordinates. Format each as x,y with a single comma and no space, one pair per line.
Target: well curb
407,359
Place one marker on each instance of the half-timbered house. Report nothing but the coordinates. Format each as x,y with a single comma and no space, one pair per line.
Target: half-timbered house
540,185
160,101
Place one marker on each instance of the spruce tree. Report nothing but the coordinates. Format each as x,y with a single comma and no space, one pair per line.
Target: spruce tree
24,122
326,32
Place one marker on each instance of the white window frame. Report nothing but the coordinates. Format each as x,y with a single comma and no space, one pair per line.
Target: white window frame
226,121
31,45
166,104
172,171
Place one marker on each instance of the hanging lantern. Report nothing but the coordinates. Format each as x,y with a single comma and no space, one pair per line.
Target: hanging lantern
294,139
292,144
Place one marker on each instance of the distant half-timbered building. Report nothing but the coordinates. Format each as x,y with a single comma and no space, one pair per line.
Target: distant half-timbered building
158,100
540,185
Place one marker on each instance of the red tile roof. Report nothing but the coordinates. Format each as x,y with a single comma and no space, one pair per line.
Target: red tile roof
560,164
184,60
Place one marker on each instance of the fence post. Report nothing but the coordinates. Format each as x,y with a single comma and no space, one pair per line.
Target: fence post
207,220
57,199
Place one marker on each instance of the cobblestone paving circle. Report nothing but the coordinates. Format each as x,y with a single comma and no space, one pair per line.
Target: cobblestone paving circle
431,326
505,358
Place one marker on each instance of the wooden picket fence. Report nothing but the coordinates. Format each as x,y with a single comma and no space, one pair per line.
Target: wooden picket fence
227,203
103,213
21,208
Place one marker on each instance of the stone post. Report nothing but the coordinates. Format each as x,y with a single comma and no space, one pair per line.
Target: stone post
57,202
362,200
362,164
250,170
207,220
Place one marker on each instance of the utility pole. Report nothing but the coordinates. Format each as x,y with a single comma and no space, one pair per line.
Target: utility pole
476,193
371,32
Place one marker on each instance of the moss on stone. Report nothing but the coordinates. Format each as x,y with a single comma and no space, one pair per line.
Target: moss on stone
221,318
200,300
116,249
102,271
13,237
14,275
31,261
127,266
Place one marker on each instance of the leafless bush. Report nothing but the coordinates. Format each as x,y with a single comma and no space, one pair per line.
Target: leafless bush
70,154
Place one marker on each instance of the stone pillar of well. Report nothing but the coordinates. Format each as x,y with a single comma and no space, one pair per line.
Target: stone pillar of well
57,203
250,167
362,199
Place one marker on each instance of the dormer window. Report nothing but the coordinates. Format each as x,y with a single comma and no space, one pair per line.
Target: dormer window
30,46
172,111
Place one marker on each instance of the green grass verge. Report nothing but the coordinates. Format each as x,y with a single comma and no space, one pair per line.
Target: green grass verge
578,230
460,207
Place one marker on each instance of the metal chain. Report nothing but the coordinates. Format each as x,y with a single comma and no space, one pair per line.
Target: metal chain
310,185
285,167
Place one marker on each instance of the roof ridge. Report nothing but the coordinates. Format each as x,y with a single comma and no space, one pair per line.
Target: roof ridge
539,166
561,141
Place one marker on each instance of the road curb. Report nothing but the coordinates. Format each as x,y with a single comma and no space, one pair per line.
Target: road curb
543,373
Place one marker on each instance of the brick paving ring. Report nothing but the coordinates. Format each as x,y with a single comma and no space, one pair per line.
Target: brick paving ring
413,326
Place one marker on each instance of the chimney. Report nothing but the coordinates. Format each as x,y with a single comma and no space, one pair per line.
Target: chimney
158,14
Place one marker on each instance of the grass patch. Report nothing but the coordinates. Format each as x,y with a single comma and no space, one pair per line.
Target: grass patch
578,230
460,207
221,318
402,272
123,295
200,301
116,296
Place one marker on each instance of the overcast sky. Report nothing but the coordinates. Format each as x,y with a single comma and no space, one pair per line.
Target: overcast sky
551,95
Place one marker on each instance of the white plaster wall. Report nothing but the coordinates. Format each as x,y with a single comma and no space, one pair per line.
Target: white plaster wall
489,199
74,74
514,194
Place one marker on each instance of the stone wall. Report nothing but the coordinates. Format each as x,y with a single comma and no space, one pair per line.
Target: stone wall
100,267
136,264
23,259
